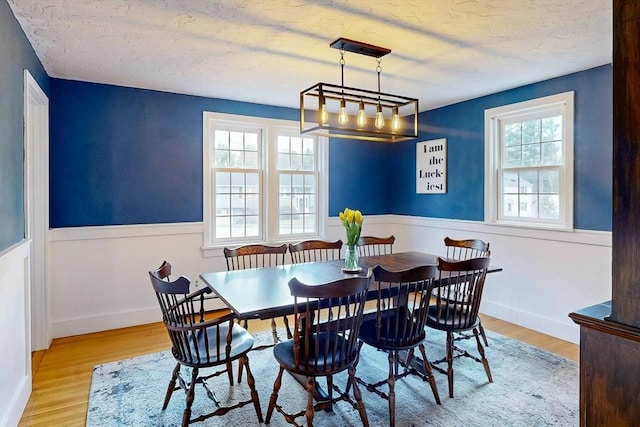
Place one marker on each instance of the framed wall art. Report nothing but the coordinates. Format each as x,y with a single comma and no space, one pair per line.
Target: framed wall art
431,166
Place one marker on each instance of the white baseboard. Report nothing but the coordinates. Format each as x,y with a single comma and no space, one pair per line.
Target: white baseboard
567,331
17,404
105,322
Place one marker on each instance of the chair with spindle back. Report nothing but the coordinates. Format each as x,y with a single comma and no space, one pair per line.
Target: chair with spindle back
371,245
466,249
399,324
256,256
323,345
315,250
198,342
457,303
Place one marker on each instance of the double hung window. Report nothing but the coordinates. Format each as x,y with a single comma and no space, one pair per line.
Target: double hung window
529,163
262,180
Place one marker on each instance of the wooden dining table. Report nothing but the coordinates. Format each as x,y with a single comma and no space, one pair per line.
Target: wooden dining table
264,292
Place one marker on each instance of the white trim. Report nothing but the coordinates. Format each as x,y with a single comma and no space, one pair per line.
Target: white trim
89,324
36,141
124,231
563,330
585,237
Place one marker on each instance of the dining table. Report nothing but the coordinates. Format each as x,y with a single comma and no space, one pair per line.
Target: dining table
263,292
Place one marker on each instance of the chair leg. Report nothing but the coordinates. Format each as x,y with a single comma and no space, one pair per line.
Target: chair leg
186,415
274,395
274,331
240,367
252,386
356,393
391,381
485,362
484,336
309,411
172,386
429,371
450,362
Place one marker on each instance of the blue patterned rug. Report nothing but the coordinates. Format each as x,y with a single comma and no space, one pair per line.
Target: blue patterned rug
531,388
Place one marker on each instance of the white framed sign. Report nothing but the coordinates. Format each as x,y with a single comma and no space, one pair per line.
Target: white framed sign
431,166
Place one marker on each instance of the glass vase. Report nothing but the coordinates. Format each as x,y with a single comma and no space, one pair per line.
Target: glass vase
351,259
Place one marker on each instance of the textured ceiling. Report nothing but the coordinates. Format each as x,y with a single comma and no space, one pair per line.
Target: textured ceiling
267,51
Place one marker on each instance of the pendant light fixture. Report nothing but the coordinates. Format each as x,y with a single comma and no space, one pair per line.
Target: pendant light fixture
344,112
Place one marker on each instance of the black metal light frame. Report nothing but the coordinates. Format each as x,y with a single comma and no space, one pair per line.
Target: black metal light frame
332,96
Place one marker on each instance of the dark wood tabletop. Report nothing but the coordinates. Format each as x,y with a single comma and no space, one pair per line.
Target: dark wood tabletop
264,292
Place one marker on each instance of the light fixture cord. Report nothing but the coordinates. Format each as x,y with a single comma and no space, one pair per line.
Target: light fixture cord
379,70
342,67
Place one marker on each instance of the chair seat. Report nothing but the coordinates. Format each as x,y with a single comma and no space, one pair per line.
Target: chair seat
401,340
450,323
283,353
241,343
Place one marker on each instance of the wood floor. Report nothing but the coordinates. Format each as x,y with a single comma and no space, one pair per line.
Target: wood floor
62,374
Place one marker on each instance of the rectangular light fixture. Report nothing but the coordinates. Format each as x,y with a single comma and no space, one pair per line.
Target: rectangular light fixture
346,112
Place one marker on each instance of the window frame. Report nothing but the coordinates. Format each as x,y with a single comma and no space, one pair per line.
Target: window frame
559,104
269,191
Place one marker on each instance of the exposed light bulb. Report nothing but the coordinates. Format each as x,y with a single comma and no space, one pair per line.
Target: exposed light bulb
362,116
324,116
379,118
395,119
343,117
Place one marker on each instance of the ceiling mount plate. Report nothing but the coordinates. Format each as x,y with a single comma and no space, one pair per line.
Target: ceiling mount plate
359,47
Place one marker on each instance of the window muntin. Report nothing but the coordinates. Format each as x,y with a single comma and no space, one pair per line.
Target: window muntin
262,181
529,163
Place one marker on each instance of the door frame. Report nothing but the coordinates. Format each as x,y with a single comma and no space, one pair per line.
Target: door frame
36,200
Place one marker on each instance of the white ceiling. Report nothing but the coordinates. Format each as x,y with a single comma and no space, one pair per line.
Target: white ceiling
267,51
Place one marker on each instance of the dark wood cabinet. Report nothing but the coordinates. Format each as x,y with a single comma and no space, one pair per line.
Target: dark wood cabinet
609,369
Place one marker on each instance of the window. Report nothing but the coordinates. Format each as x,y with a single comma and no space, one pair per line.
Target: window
261,180
529,163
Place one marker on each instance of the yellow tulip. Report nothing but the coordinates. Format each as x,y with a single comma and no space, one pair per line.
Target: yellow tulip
359,217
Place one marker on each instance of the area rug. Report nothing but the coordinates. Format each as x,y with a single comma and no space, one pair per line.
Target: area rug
531,388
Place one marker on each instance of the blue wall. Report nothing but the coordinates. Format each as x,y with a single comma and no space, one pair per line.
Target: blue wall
131,156
463,126
359,176
16,54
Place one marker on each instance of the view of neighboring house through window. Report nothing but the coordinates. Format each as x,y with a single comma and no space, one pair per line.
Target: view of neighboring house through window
529,163
297,177
261,180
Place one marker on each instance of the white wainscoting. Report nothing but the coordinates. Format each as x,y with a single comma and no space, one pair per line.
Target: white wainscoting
99,274
15,333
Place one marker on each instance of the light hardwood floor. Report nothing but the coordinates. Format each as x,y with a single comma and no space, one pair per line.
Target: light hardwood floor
62,374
